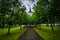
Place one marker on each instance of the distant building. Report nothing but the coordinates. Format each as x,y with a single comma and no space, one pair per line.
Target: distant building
32,0
30,11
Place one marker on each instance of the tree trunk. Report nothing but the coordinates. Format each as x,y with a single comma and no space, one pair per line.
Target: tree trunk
3,25
52,27
40,26
47,24
30,25
53,24
36,25
8,30
20,27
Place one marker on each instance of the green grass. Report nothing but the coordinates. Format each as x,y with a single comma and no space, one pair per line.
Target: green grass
46,33
15,33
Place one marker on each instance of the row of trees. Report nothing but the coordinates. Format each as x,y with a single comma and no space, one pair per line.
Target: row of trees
47,11
12,12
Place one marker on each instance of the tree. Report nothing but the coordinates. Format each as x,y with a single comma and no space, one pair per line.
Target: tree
8,12
54,12
41,11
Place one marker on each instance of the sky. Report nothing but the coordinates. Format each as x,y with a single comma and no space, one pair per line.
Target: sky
28,4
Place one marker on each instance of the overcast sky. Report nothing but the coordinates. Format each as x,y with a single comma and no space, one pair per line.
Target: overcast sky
28,4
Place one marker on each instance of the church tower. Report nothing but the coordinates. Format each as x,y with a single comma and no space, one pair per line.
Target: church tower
30,11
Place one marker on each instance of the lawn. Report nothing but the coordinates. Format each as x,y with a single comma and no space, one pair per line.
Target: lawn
46,33
15,33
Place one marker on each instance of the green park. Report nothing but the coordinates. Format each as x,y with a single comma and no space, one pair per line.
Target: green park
29,19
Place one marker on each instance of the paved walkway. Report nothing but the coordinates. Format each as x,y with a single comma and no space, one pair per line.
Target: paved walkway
30,35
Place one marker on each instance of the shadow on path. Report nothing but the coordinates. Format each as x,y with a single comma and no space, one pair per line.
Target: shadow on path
30,35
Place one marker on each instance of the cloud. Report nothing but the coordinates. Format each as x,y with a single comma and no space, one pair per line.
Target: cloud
28,4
